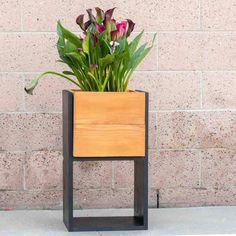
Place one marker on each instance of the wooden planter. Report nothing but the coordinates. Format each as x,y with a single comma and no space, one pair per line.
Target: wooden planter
103,127
108,124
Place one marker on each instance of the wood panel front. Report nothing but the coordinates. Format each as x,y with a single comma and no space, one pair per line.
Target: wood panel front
109,124
109,108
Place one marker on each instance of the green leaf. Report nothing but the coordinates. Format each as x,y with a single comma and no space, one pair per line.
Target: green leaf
141,57
96,81
64,46
78,58
108,59
143,53
122,45
136,56
61,46
86,43
66,34
69,47
134,44
105,47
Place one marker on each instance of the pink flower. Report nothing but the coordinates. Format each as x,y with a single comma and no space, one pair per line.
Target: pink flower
120,31
100,28
121,27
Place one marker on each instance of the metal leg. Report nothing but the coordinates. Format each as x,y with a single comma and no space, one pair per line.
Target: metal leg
67,160
68,193
141,178
141,190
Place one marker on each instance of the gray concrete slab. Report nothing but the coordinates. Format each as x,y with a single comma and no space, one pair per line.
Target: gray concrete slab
164,221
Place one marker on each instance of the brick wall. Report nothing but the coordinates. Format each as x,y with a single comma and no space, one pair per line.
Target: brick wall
191,77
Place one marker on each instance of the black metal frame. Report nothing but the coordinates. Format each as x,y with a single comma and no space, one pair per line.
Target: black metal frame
140,219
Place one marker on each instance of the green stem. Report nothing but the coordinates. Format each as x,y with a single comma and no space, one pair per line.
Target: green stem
58,74
29,89
106,79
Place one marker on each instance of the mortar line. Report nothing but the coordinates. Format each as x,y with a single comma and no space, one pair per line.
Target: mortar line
27,32
160,149
136,71
152,111
182,70
195,149
29,112
197,110
147,32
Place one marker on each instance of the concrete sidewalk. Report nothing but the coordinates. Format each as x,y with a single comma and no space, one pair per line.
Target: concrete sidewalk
164,221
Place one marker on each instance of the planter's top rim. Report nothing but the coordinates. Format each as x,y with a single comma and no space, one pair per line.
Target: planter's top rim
128,91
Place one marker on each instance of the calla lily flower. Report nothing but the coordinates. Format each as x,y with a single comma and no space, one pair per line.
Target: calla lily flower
131,25
87,24
80,22
100,15
100,28
115,35
121,27
120,31
91,16
108,15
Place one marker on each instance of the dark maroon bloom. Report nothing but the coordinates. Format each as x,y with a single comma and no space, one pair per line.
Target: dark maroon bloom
131,25
87,24
108,15
114,35
91,16
80,21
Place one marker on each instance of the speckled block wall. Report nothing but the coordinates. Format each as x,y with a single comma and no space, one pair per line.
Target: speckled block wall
191,78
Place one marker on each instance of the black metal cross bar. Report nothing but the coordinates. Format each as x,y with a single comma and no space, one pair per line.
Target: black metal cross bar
139,221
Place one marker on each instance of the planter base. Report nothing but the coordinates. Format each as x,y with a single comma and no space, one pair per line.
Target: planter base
140,219
107,223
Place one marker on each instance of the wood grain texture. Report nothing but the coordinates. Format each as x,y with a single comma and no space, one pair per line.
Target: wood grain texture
109,108
109,140
109,124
